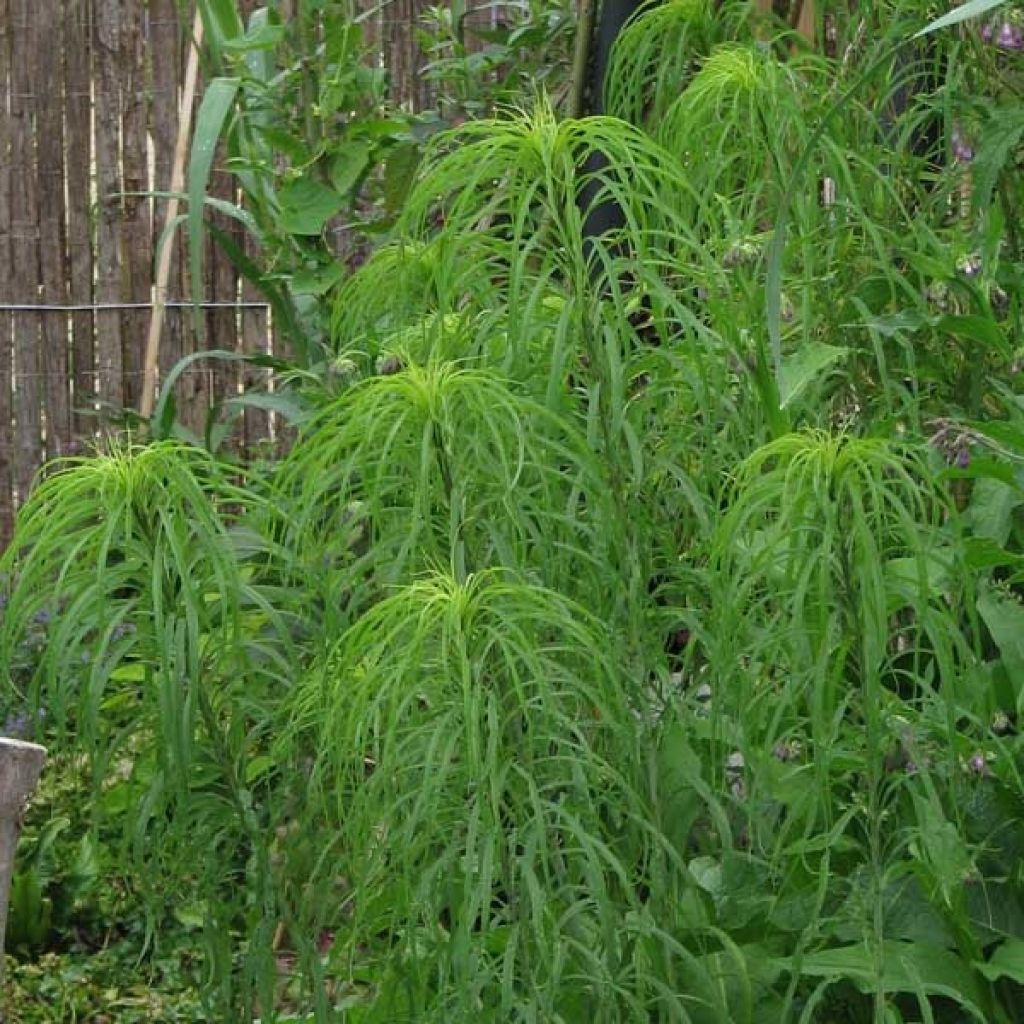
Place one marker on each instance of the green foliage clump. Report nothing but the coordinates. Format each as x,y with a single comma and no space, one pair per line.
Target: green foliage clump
632,631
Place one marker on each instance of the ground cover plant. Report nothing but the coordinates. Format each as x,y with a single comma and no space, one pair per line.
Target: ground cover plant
633,631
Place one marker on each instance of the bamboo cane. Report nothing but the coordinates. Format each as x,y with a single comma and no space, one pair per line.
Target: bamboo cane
163,270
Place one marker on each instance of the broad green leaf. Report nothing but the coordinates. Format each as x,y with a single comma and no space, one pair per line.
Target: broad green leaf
283,404
975,327
1006,962
802,367
1004,617
307,205
990,512
218,101
903,967
261,36
399,173
1000,136
348,164
971,9
258,767
317,280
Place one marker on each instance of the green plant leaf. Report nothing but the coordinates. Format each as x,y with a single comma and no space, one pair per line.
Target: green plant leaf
805,365
307,205
1006,962
971,9
218,102
348,165
1000,137
399,174
905,967
1004,617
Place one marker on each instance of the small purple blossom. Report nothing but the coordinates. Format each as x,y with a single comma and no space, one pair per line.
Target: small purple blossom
20,725
963,151
1010,37
17,726
42,617
123,629
978,765
786,750
970,265
963,457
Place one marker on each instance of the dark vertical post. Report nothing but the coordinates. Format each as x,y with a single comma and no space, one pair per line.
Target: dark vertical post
601,217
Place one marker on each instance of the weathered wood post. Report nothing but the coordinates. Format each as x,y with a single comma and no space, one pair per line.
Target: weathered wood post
20,765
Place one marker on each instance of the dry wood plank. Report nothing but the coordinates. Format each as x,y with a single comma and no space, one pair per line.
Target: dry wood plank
167,43
254,341
78,155
50,156
222,286
807,21
402,54
109,16
6,273
29,82
136,227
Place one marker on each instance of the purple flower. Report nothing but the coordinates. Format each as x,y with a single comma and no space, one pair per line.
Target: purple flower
969,266
963,457
42,617
978,765
17,726
787,750
963,151
123,629
1010,37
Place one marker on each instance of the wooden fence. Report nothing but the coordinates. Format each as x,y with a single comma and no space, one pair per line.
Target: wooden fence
90,101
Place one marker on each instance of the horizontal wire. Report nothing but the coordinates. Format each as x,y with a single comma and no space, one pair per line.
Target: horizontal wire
87,307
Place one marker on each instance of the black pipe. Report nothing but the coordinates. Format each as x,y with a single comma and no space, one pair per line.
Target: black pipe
605,216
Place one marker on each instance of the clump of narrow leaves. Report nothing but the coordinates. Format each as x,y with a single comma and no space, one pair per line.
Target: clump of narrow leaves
609,645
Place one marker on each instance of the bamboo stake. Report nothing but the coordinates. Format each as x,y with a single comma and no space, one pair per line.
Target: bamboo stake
805,22
163,270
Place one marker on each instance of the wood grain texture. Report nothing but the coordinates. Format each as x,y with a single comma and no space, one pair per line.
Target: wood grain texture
29,81
78,165
6,281
109,18
136,224
50,162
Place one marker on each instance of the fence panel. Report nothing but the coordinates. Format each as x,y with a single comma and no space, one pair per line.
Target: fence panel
89,111
6,278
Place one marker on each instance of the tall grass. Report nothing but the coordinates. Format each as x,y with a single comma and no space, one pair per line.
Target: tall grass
577,662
